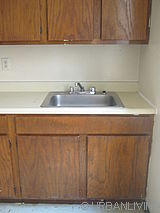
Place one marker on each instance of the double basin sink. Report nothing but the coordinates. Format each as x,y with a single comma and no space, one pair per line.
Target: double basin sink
64,99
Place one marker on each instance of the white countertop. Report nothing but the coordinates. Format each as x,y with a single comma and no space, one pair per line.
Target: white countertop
29,103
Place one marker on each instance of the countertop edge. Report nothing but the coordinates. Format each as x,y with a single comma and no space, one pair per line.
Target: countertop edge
77,111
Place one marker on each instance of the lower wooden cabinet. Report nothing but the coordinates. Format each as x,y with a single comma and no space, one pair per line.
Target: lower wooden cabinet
51,167
117,167
54,167
6,173
73,158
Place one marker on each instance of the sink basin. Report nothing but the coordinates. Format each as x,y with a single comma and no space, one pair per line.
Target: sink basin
82,100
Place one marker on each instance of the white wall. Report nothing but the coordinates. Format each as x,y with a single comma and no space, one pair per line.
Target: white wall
150,87
70,63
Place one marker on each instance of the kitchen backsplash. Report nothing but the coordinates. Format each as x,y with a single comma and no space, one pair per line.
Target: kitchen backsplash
111,63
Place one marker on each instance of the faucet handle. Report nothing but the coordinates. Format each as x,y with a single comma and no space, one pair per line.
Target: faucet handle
76,84
71,90
92,90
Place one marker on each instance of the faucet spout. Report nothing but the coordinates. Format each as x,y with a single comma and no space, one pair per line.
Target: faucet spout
78,84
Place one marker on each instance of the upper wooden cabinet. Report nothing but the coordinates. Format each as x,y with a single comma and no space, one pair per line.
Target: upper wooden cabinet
19,20
70,20
125,19
74,21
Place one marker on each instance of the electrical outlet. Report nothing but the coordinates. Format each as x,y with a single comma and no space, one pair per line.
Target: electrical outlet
5,62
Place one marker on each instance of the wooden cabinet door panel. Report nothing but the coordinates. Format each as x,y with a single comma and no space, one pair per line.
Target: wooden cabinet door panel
19,20
84,124
117,167
124,20
6,175
50,167
70,20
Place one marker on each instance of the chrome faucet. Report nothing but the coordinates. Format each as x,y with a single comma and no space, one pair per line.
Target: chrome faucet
78,84
73,90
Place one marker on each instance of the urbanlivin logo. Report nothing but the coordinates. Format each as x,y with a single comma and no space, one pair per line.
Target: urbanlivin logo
135,206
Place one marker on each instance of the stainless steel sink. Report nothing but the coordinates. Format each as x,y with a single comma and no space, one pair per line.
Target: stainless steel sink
62,99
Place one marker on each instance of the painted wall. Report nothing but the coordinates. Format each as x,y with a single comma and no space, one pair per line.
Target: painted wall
150,86
70,63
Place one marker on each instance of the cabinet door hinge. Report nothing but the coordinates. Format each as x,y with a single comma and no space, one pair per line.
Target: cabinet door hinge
10,144
40,29
15,190
16,145
47,32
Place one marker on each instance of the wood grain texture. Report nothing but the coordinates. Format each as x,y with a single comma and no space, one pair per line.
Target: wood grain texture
125,20
70,20
83,166
6,175
19,20
3,125
43,19
117,167
84,124
50,167
14,155
77,22
97,20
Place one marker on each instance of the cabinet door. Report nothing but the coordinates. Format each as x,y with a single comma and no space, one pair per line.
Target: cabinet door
117,167
19,20
125,19
70,20
51,167
6,175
